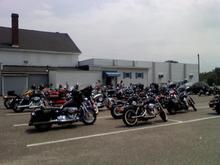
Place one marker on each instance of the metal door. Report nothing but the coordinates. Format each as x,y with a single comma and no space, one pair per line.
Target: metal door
14,83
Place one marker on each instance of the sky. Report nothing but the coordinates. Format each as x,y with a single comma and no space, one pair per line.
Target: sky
149,30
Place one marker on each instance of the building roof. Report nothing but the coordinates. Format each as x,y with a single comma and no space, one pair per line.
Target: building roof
39,41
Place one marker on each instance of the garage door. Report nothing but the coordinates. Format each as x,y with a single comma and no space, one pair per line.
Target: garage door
37,79
15,83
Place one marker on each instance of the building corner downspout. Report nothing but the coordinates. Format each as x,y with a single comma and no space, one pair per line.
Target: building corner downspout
153,72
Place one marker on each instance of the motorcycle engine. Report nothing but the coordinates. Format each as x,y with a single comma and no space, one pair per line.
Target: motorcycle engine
71,112
36,99
151,106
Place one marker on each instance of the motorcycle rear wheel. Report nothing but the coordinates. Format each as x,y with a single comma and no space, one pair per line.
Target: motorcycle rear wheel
7,103
129,119
16,109
171,110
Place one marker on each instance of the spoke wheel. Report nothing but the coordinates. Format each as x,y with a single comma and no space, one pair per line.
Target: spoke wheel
129,117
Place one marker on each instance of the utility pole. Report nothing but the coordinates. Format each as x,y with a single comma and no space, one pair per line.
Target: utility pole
198,67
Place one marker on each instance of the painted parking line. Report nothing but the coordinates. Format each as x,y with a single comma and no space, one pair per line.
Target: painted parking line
104,117
20,125
176,121
18,114
203,107
118,132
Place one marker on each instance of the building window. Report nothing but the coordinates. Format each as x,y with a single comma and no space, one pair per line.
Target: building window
139,75
127,75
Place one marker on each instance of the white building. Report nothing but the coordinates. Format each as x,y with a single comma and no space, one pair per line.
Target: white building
113,71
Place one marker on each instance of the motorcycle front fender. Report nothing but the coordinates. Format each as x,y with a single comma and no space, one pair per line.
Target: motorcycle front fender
97,96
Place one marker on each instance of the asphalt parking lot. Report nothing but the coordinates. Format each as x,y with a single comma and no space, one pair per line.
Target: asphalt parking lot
187,138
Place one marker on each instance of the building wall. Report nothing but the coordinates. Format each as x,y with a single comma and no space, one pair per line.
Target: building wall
192,72
170,71
72,77
161,68
37,59
177,72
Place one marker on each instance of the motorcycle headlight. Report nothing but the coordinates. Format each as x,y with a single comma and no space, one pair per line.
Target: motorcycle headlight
100,99
134,103
151,106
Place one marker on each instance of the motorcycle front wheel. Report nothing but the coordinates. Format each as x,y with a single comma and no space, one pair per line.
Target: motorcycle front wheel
217,108
115,113
129,118
163,115
192,103
89,116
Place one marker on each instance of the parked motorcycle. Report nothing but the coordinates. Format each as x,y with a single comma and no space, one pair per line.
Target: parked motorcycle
214,103
117,109
98,98
176,102
57,97
143,110
118,104
76,109
30,100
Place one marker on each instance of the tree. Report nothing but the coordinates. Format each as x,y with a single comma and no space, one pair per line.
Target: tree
212,77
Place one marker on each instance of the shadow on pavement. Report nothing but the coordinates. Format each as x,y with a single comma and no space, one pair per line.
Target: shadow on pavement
54,128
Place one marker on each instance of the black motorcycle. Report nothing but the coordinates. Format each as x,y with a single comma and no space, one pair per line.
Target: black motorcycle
122,99
177,102
143,110
76,109
29,102
9,100
118,108
214,103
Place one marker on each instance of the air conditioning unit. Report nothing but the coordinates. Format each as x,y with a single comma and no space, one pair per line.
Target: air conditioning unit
191,75
160,75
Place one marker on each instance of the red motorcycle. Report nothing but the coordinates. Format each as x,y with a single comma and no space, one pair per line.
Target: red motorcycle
57,97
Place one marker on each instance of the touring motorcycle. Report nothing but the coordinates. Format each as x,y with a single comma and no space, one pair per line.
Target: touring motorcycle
76,109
